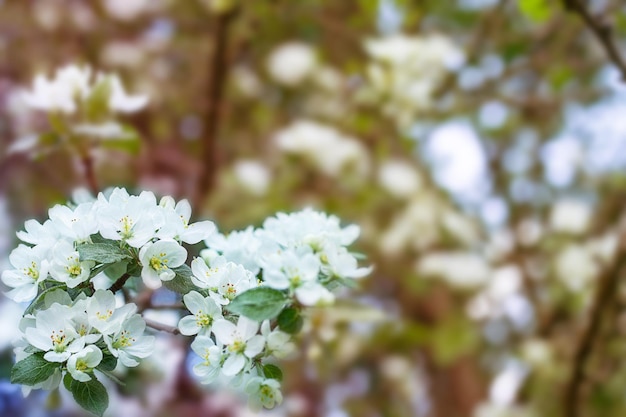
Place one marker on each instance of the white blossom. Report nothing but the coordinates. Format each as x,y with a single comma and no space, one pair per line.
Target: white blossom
103,313
211,366
66,265
399,178
31,268
205,311
241,342
291,63
82,363
263,392
158,259
71,83
129,343
54,334
332,152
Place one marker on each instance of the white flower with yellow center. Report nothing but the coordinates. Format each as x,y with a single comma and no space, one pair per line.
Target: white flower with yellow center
103,314
130,344
263,392
177,227
31,268
158,259
209,369
66,265
81,364
242,343
54,334
205,311
278,343
208,276
132,219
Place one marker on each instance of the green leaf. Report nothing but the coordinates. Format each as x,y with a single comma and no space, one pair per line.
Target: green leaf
32,370
38,302
181,283
90,395
97,104
116,270
261,303
104,253
290,321
129,142
536,10
272,371
108,363
67,381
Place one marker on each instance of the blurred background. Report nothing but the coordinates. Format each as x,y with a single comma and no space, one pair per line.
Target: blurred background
479,144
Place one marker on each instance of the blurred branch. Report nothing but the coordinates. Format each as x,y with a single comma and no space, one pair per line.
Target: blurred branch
605,293
601,29
161,327
218,68
87,163
476,44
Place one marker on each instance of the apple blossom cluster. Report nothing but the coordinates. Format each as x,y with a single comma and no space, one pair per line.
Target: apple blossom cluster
246,293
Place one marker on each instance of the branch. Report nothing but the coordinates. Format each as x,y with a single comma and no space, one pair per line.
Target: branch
161,327
605,294
218,68
602,30
119,284
87,163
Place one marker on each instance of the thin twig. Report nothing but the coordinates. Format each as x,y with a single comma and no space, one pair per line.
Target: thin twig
162,327
119,284
605,293
90,176
218,69
602,30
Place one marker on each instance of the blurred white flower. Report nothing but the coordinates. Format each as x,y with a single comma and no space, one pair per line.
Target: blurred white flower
72,86
399,178
406,71
48,14
462,270
60,94
253,175
291,63
329,150
576,267
421,213
570,216
246,81
126,9
121,101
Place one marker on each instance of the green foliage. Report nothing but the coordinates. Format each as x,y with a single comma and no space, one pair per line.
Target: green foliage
259,304
90,395
290,321
38,301
537,11
273,372
181,283
33,370
108,363
97,104
104,253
